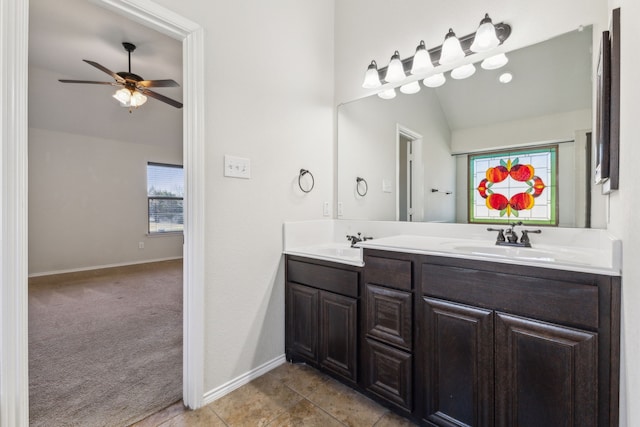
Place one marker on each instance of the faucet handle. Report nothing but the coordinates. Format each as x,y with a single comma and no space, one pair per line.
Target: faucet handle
525,236
500,231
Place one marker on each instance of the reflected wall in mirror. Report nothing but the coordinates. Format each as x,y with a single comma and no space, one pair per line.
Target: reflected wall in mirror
413,149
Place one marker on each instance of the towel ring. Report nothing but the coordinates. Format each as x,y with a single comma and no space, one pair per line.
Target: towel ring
366,186
304,172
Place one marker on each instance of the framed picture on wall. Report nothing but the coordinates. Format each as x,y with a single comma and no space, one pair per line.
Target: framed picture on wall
603,108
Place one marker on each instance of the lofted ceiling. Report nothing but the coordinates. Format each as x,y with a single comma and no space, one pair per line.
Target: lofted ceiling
549,77
64,32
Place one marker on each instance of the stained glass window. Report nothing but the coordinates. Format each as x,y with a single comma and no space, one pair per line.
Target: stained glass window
514,185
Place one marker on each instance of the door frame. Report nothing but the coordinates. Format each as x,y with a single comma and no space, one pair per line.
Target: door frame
14,19
417,172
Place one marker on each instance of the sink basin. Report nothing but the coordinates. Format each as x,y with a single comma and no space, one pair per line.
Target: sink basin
507,251
490,250
339,251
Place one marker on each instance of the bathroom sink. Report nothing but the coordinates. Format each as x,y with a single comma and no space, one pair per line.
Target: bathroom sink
546,254
337,252
506,251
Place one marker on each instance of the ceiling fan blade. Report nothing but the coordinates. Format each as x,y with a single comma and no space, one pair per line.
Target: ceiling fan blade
161,97
106,70
158,83
89,82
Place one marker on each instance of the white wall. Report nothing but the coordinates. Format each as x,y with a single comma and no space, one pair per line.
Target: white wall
87,202
623,212
532,130
269,92
367,131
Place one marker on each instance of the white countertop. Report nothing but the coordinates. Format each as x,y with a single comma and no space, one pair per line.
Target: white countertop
580,250
580,259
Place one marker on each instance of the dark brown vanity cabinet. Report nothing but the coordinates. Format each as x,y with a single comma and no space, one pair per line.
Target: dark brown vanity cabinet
534,348
322,316
457,342
388,330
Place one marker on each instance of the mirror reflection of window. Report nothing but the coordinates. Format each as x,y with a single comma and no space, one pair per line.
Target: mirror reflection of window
514,185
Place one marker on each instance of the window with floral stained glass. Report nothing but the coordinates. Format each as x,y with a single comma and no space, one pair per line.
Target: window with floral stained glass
514,185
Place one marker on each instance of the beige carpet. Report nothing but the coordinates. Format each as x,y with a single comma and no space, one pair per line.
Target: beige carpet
105,347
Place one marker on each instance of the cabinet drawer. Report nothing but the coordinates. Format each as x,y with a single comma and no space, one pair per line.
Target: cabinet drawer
389,374
394,273
389,316
544,299
343,282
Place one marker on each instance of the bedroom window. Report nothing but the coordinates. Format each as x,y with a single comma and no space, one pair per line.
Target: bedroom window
165,193
514,185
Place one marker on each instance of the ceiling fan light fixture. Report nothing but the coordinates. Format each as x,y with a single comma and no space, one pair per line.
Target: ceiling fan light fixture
123,96
137,99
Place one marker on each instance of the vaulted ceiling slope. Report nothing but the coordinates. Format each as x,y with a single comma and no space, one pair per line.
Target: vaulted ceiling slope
61,35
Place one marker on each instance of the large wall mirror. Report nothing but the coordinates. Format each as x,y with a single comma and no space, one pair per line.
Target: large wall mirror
412,151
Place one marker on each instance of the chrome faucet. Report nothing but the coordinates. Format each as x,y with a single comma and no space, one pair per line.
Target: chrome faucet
509,237
356,239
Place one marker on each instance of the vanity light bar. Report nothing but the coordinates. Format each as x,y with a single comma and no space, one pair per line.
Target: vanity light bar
503,31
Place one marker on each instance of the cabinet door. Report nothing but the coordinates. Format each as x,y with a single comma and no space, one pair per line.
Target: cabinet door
458,353
338,323
389,316
546,375
389,373
302,321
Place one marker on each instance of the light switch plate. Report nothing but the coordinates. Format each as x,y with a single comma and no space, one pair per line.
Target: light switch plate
325,209
386,186
237,167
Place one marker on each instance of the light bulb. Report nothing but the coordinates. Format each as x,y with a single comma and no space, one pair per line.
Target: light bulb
395,70
410,88
495,62
123,95
371,77
387,94
463,72
137,99
451,49
486,37
421,60
436,80
505,78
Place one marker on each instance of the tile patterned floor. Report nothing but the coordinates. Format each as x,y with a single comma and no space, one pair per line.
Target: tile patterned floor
290,395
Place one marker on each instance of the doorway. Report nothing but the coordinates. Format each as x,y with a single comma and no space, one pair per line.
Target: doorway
409,171
14,122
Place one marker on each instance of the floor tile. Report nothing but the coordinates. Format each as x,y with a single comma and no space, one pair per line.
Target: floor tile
305,413
392,420
256,403
162,416
347,405
299,377
203,417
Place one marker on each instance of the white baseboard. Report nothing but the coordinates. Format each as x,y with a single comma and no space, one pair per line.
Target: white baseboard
243,379
98,267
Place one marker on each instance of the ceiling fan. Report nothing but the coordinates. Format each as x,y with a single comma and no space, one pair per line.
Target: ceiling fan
134,89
